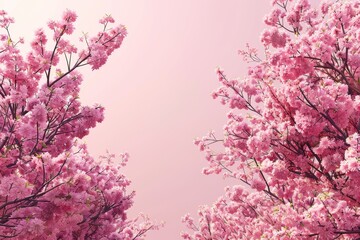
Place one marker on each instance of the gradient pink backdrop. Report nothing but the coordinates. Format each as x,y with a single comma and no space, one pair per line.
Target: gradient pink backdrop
156,90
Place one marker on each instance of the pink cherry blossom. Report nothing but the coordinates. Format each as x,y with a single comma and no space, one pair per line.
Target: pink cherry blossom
50,187
292,136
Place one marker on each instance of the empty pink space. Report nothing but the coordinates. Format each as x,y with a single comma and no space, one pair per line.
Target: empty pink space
157,90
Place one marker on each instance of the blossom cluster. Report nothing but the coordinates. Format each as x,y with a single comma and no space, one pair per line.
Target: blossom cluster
50,187
292,136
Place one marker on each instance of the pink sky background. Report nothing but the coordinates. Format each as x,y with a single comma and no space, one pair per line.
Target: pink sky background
157,90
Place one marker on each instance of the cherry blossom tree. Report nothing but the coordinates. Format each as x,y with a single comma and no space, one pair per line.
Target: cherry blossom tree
292,139
50,187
